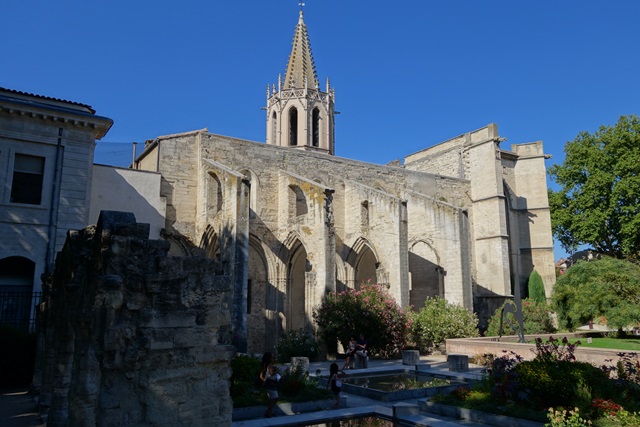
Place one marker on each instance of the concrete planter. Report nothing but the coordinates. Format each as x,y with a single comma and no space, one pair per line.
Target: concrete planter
410,357
285,408
476,416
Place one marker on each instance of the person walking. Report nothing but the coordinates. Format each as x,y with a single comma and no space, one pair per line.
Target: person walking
334,383
269,376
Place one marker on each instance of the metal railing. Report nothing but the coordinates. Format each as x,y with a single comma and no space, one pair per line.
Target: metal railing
18,309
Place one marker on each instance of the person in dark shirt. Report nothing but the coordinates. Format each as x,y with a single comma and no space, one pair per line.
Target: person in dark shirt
361,350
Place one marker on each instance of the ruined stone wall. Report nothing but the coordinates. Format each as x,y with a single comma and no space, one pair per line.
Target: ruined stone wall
132,337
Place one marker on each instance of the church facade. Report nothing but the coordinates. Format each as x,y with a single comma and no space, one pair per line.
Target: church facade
466,220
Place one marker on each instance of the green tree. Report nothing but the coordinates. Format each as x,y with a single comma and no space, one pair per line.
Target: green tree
607,287
598,203
536,288
536,319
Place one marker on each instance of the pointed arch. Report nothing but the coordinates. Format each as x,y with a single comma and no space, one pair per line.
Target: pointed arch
315,127
214,193
274,128
297,201
297,289
426,275
263,299
293,126
363,260
210,243
299,282
254,188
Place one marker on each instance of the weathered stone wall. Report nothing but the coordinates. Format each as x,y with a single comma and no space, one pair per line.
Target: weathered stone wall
328,230
133,337
534,219
437,226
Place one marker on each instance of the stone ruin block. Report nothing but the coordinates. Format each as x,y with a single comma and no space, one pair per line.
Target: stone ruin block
129,336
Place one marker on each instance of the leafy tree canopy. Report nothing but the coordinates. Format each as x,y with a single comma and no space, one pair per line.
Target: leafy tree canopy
599,200
607,287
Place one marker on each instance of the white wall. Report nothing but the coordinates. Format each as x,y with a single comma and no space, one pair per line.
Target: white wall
128,190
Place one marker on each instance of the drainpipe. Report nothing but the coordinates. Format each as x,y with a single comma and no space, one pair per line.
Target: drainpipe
133,160
53,209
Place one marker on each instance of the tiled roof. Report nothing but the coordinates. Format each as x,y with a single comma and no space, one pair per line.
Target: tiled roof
47,98
301,67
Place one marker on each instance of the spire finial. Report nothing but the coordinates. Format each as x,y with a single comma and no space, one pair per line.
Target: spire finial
301,5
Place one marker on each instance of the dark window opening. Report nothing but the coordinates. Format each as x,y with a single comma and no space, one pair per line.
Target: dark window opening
274,129
293,126
315,128
28,172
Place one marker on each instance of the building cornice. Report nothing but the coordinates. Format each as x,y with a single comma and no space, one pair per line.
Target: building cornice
38,108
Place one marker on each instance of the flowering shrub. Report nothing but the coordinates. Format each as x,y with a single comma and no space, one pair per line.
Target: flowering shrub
536,318
297,343
296,380
554,350
439,320
564,418
605,408
370,311
627,419
461,393
552,378
499,379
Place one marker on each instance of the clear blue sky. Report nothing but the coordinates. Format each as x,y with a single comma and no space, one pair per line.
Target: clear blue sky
407,74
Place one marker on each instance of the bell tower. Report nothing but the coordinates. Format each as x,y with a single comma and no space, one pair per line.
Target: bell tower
299,114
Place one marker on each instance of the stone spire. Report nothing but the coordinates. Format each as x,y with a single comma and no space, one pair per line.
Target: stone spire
301,71
299,114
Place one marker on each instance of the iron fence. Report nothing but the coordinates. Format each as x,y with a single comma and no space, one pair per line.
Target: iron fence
18,309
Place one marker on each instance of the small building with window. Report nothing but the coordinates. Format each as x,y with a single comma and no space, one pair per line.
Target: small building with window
46,165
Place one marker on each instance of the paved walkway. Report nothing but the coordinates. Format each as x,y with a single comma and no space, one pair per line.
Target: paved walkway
18,408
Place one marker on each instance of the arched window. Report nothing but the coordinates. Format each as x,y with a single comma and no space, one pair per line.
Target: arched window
293,126
364,215
274,129
215,194
297,201
315,126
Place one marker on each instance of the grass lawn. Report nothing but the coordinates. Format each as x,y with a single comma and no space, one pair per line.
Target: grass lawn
630,343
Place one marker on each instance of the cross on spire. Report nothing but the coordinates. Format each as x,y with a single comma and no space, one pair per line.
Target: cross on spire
301,5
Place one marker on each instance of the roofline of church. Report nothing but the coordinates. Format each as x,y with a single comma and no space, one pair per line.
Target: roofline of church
155,142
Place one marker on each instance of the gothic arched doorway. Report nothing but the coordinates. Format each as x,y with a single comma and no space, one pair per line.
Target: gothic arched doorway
426,275
298,294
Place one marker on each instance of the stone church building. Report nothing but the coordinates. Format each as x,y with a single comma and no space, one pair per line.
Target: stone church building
464,220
